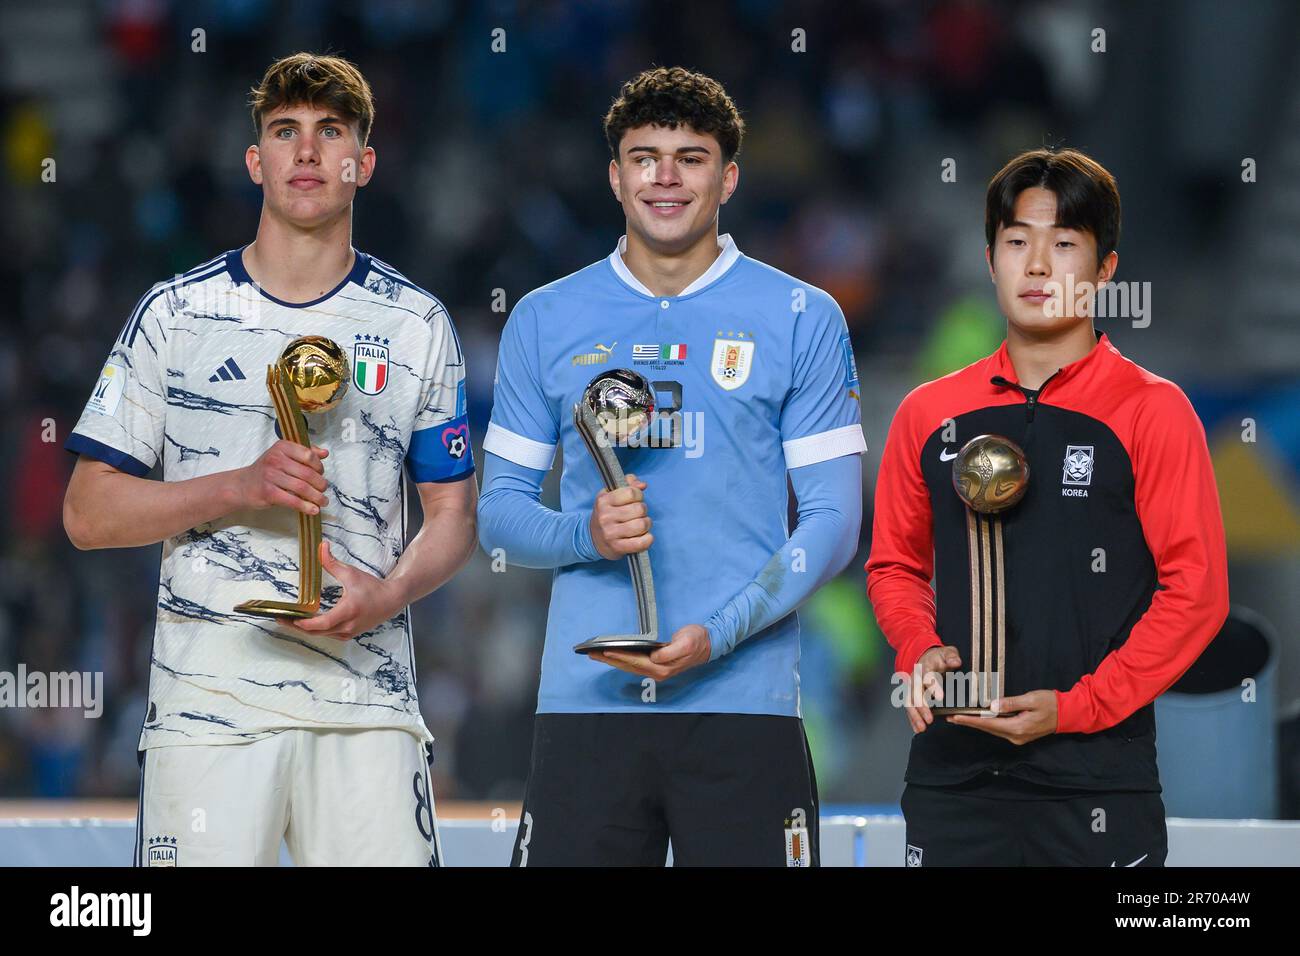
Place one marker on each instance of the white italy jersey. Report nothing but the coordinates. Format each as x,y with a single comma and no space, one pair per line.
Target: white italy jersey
184,387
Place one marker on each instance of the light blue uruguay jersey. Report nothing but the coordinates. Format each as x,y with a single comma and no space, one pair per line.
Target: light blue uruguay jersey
754,375
184,386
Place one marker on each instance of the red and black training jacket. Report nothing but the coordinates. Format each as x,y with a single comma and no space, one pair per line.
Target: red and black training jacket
1120,480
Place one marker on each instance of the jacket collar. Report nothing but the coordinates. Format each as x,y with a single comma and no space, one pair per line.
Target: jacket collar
1098,355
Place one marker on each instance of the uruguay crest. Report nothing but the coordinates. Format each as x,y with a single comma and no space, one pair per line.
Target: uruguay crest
370,364
796,846
731,362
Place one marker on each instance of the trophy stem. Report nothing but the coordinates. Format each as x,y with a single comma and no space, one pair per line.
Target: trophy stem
647,609
293,426
988,631
999,565
986,586
972,547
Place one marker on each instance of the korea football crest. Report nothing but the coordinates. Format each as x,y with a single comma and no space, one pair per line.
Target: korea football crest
732,359
1078,465
370,364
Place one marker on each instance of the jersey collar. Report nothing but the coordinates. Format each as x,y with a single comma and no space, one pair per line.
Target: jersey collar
727,256
239,275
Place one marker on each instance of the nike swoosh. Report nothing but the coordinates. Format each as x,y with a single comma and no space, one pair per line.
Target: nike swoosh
1135,862
944,456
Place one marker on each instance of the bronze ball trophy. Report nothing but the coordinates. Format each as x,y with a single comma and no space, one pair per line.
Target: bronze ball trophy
990,475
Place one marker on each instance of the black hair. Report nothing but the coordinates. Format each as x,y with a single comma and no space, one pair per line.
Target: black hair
1087,196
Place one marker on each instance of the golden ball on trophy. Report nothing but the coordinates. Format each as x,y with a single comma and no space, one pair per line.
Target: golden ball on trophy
990,473
318,369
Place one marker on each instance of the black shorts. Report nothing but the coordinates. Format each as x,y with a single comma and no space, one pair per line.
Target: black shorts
1005,822
613,789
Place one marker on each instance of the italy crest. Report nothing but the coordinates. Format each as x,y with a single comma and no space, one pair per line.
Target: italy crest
370,364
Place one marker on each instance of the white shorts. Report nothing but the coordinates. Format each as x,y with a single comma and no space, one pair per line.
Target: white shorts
336,797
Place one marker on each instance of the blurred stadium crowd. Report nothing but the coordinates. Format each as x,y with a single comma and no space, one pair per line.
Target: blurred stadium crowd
490,176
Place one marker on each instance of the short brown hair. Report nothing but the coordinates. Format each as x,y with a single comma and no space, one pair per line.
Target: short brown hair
315,80
1087,196
672,97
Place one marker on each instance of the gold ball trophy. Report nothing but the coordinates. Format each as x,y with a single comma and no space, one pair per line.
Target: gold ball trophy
311,375
990,474
617,405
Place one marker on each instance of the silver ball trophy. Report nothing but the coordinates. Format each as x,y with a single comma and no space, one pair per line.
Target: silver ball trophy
617,405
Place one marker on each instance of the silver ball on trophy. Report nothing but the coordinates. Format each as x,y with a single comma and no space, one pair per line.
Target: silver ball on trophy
622,401
990,473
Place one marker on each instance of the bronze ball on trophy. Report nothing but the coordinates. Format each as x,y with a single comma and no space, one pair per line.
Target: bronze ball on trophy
990,473
318,369
623,402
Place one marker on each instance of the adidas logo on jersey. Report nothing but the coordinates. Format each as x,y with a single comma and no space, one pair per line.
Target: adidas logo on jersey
228,372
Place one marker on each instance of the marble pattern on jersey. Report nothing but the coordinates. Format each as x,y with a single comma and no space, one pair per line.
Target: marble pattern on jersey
195,401
364,659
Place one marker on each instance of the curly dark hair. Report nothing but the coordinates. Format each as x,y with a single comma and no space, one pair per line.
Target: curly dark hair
672,97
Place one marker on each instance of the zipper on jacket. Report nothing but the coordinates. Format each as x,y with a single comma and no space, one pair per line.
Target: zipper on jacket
1031,397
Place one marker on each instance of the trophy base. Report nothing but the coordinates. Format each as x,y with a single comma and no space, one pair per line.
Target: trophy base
281,610
619,642
975,711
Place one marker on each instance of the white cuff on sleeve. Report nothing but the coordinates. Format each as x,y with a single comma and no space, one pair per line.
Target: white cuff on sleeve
824,446
517,448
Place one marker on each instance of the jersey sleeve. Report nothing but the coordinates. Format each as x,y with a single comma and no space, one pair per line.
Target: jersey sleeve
1178,504
524,427
440,446
902,542
830,517
124,418
821,418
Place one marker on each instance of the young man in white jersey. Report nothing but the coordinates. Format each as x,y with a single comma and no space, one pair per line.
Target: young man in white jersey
257,729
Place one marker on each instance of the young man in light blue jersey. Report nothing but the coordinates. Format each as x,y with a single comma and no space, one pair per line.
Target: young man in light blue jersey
257,730
700,742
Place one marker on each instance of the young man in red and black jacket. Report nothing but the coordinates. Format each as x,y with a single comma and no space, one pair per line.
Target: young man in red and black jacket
1116,575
